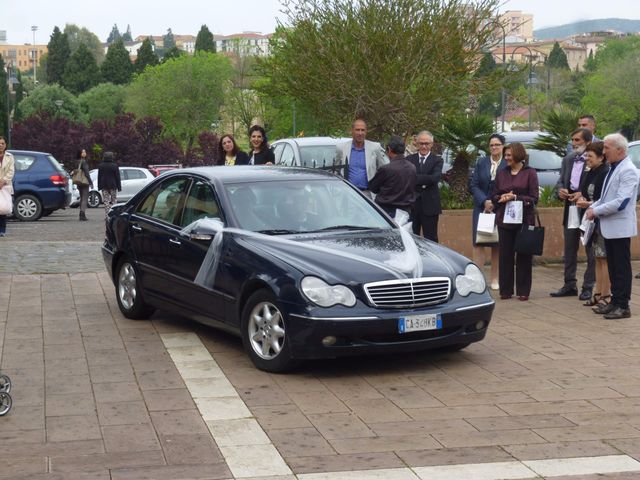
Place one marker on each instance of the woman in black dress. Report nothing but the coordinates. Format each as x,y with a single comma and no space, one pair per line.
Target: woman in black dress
590,191
260,153
229,153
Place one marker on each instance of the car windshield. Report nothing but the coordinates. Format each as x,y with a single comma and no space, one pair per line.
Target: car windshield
316,156
294,206
543,160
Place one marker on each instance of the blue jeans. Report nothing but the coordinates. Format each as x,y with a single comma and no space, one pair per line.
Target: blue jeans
3,224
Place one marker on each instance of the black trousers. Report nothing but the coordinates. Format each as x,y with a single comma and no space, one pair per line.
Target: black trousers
428,223
508,260
571,246
620,274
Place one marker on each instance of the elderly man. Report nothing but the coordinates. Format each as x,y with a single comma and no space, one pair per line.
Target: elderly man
395,183
617,214
362,157
568,188
427,207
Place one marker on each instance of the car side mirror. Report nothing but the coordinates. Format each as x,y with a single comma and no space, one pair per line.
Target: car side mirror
205,229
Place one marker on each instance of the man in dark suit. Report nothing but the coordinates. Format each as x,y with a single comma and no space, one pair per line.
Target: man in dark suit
568,189
427,208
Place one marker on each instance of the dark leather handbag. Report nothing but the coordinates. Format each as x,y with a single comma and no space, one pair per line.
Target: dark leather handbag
530,239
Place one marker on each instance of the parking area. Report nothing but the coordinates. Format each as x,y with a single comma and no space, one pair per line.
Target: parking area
552,392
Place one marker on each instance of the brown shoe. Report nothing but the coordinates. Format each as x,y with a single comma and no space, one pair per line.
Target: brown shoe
618,313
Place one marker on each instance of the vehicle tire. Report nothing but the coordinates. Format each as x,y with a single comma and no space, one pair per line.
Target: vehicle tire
27,208
129,293
264,333
94,200
5,384
5,403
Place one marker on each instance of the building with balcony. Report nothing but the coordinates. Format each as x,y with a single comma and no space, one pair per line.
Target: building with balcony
518,26
21,56
243,44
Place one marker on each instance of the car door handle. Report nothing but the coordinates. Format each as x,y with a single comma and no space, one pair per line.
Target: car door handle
174,241
136,228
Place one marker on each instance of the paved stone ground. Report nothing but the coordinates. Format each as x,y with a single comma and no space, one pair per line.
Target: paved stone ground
97,396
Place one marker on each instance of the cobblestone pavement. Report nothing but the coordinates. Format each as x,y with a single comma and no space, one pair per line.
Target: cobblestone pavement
552,392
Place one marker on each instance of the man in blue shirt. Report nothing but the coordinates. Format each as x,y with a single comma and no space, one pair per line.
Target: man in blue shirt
362,157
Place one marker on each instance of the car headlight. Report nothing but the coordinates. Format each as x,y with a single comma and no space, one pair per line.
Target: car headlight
471,281
325,295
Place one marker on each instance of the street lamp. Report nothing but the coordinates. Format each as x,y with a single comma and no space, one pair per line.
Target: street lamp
59,104
503,93
530,82
34,29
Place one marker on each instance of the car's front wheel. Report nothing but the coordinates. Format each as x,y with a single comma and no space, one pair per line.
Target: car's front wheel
94,199
264,333
128,292
27,208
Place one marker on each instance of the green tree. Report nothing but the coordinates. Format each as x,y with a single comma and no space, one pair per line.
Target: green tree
557,58
77,35
81,72
114,34
18,88
343,58
43,100
146,56
204,40
126,36
3,98
558,123
117,67
103,102
173,52
489,99
58,55
185,93
459,133
168,40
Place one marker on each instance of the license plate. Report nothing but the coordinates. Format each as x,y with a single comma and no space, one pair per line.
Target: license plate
417,323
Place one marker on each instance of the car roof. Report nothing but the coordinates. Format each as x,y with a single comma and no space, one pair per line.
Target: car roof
522,137
313,141
27,152
252,173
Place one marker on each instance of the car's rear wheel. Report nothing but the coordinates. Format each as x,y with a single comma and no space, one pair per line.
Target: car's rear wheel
5,403
27,208
94,199
128,292
264,333
5,384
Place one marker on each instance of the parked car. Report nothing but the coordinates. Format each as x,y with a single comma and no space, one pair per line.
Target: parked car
311,152
75,195
296,261
132,180
634,152
159,169
41,185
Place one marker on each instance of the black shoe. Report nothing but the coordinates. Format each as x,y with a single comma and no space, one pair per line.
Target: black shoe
618,313
566,292
585,295
604,309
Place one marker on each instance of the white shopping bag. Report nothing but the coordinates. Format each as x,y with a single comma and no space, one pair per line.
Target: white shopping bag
587,227
486,222
573,219
6,202
513,212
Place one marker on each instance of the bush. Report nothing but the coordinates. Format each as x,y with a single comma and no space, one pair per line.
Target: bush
450,201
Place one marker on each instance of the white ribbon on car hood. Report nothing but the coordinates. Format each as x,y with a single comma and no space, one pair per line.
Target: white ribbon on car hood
405,264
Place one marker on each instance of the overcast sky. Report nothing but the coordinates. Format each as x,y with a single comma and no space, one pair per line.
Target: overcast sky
233,16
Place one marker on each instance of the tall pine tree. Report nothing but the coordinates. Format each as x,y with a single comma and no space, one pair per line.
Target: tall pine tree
168,41
204,40
81,72
58,56
114,35
117,67
557,58
4,108
126,36
146,56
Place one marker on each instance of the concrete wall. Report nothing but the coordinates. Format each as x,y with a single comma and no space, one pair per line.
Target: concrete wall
454,231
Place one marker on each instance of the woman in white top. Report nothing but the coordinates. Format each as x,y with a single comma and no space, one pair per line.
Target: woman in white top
7,169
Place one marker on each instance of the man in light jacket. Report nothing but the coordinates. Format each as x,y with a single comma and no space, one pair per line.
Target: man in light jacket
617,214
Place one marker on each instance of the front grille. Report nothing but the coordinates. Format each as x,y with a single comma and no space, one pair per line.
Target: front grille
408,293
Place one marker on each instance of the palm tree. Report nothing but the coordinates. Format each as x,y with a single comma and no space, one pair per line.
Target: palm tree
558,125
464,136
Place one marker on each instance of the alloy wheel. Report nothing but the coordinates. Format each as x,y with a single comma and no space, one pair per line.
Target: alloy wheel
127,286
266,330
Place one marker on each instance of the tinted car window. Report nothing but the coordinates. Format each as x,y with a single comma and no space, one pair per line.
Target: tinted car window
201,203
23,162
543,160
317,155
277,151
136,174
124,174
166,201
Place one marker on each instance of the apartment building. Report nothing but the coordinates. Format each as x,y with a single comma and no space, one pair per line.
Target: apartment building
243,44
21,56
518,26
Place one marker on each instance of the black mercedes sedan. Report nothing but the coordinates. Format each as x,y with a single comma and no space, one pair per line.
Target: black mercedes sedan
295,261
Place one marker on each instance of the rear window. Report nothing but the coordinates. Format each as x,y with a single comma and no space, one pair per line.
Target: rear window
317,155
543,160
23,162
56,164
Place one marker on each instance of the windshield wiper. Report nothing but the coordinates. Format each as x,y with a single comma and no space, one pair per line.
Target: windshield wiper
277,231
344,227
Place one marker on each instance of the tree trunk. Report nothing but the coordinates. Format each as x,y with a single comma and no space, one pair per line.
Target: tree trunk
459,178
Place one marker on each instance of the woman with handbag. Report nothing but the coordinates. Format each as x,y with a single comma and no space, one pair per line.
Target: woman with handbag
514,197
82,180
481,185
7,169
590,191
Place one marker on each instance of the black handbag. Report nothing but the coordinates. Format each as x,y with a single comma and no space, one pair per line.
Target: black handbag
530,239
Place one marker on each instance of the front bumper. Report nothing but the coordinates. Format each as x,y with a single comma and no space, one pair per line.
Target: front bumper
379,333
